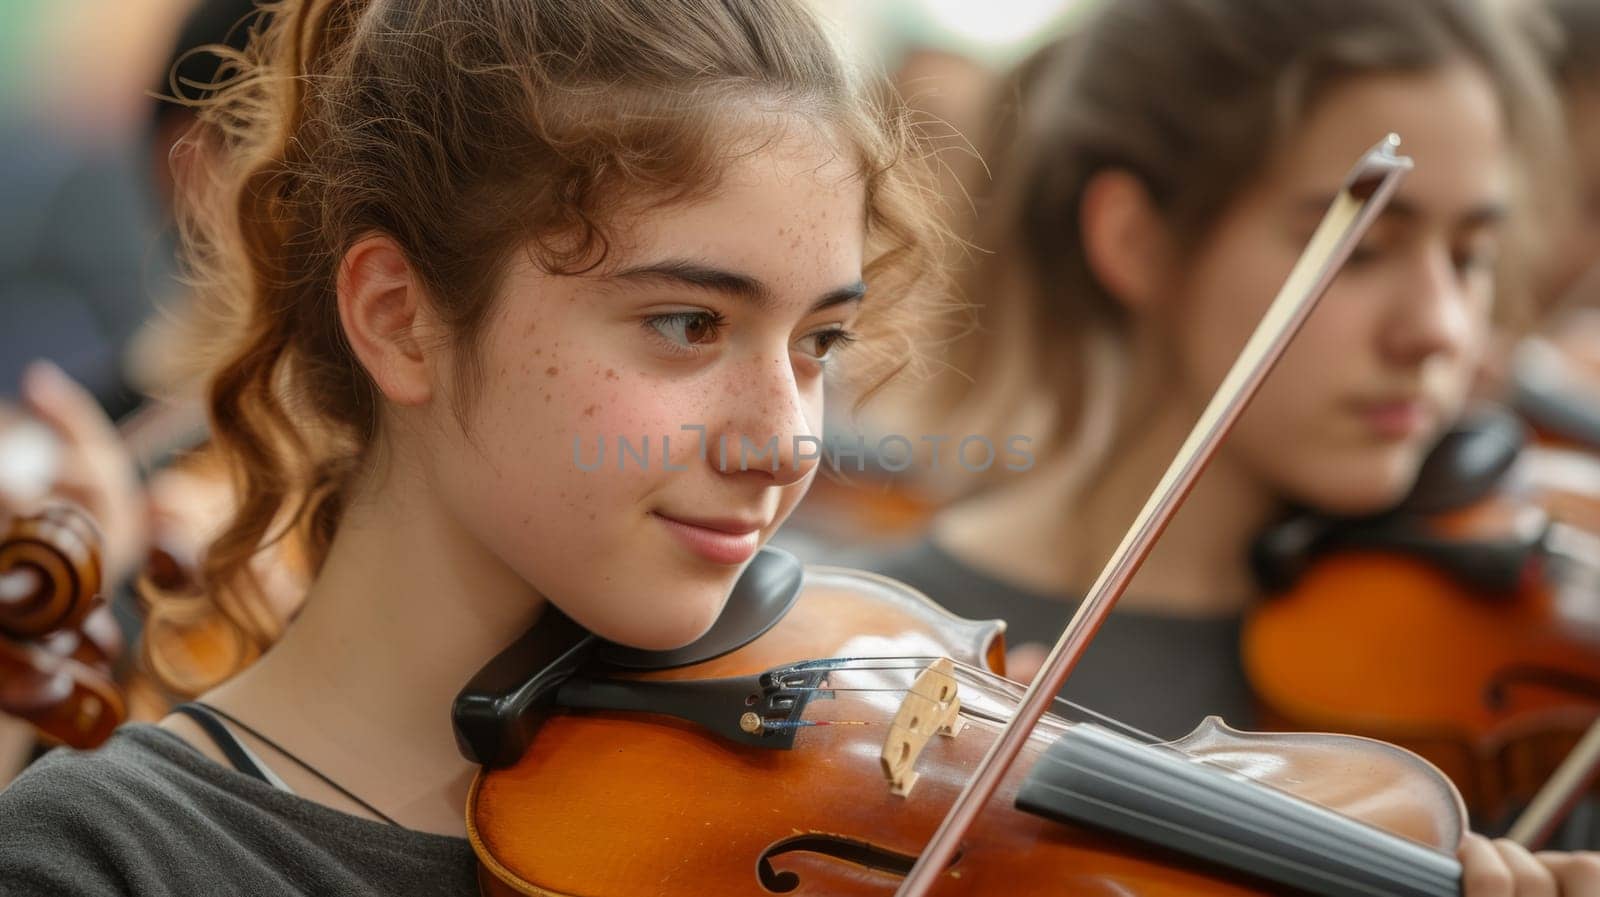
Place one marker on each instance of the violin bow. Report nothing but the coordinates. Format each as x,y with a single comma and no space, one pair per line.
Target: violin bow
1561,792
1366,190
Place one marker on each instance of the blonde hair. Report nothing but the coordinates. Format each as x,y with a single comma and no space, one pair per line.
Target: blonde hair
467,130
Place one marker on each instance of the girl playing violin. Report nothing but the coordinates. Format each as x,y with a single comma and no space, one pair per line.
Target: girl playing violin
455,237
458,236
1170,159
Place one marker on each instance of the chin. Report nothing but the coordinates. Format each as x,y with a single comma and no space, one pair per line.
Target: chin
671,619
1370,487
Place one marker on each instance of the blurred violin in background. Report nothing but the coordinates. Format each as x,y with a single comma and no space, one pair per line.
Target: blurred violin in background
58,641
1463,624
61,573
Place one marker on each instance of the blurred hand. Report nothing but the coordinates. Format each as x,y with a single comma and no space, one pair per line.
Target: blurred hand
1023,661
94,468
1503,868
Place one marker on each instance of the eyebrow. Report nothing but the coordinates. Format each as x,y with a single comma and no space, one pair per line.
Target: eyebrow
1484,213
681,272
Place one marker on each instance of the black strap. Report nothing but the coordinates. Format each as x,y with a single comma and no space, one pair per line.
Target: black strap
224,740
214,711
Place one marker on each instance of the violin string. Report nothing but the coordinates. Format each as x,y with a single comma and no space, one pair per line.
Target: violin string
991,679
909,663
1098,718
996,682
894,664
1138,734
1126,728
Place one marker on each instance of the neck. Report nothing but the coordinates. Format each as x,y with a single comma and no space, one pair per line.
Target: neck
406,608
1054,531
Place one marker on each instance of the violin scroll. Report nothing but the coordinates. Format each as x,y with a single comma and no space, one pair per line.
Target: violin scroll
57,639
50,574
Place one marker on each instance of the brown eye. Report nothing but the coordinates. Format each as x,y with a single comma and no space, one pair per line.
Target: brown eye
822,344
1472,259
686,329
697,330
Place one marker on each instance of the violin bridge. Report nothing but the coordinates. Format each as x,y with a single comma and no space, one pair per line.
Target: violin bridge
931,707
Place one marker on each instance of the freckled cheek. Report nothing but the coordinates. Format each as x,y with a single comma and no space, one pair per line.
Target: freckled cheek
649,413
571,394
635,408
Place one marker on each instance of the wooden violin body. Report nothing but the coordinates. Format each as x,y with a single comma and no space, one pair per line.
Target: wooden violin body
621,802
1467,630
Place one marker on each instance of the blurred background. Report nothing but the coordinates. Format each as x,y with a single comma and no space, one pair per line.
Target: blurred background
85,252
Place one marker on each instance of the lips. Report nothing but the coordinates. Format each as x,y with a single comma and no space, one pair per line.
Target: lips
1395,417
731,525
720,540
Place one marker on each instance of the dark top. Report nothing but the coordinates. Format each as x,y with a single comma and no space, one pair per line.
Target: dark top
1161,674
147,814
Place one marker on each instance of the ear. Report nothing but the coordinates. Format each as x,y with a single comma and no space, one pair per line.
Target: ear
381,307
1125,239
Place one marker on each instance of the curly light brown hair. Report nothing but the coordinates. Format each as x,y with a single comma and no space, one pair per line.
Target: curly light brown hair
469,130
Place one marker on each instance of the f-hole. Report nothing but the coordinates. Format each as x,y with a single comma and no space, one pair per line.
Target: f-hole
846,850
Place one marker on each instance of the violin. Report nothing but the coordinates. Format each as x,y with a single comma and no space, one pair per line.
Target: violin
31,456
743,765
836,733
1463,624
58,640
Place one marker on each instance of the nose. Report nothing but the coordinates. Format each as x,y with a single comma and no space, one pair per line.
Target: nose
768,432
1432,312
